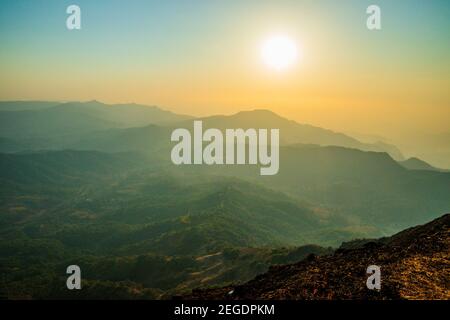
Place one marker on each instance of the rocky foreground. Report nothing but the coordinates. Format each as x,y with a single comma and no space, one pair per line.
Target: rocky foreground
414,264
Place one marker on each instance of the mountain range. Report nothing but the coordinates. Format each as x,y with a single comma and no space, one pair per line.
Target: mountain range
47,125
92,184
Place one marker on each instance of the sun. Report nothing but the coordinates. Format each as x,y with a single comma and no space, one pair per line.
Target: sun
279,52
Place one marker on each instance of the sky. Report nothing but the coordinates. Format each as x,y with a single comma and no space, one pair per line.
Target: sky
203,57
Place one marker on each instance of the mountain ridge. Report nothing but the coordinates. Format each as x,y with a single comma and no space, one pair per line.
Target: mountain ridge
291,131
414,265
415,163
61,125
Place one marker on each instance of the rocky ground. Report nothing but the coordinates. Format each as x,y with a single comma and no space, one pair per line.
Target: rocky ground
414,264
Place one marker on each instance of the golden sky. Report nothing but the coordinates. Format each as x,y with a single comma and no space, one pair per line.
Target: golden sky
203,60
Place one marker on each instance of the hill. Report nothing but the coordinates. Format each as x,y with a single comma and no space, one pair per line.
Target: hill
361,188
417,164
124,115
58,125
121,223
154,138
414,265
11,146
292,132
119,210
151,140
210,212
47,125
61,167
26,105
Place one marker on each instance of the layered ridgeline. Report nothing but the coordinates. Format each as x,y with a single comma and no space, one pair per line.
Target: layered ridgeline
414,265
418,164
365,188
89,125
107,197
46,125
139,233
292,132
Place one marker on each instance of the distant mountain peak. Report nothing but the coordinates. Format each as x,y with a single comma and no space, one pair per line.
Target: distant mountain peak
291,132
258,111
96,102
414,163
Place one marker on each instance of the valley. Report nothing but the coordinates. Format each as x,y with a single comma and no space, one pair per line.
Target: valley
111,201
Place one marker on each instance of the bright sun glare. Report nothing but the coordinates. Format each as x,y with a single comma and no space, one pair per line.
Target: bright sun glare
279,52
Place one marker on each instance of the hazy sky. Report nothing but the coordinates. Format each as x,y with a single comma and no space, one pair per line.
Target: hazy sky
203,57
